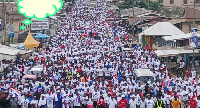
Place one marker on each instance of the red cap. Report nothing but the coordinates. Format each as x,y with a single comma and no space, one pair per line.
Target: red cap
30,94
3,96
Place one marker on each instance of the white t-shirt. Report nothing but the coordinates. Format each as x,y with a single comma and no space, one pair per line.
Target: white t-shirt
35,103
132,103
112,103
49,99
149,103
77,101
95,95
42,101
90,101
198,103
83,100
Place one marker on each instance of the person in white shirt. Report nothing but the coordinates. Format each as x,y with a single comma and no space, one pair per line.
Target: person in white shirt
149,102
34,102
65,101
49,98
90,101
42,101
198,102
133,103
24,102
84,99
96,96
194,72
112,102
142,103
77,100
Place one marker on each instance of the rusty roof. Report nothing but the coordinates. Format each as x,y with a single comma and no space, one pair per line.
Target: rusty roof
189,14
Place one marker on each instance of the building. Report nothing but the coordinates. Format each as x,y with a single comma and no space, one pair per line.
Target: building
186,22
181,3
12,17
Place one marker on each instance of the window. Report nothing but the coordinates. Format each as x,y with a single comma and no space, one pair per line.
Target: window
197,1
160,1
171,1
185,1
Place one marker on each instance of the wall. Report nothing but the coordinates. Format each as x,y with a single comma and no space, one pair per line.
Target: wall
186,27
18,31
176,2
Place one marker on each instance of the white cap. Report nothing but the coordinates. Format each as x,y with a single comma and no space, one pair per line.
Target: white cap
123,95
58,90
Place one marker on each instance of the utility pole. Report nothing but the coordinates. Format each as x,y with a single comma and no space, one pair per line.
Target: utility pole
194,16
3,20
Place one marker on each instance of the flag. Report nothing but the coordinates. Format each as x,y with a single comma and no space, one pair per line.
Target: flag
153,53
120,61
165,80
3,88
14,92
115,79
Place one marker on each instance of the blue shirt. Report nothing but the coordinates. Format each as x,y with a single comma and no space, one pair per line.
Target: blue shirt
59,102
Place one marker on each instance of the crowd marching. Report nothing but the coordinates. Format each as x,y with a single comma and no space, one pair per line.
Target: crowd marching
85,67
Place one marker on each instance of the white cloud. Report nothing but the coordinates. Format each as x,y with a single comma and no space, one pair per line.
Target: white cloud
39,8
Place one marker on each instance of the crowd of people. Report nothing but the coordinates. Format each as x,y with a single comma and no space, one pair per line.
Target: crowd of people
85,66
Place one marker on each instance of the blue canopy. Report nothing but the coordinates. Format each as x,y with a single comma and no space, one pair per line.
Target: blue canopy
42,36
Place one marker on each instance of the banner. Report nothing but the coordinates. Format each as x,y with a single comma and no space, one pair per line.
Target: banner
40,24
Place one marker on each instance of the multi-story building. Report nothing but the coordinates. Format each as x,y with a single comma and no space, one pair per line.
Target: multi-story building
12,17
182,3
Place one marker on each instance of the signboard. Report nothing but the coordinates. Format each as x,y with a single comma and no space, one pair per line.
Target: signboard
40,24
194,42
194,39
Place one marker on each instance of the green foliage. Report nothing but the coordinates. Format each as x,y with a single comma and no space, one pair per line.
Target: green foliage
155,6
173,11
151,5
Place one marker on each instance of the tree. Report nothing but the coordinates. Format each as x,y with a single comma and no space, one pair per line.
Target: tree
151,5
174,11
155,6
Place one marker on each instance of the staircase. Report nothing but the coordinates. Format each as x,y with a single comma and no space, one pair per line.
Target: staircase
22,37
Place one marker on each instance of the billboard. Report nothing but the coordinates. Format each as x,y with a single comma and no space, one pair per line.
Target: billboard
40,24
194,39
193,42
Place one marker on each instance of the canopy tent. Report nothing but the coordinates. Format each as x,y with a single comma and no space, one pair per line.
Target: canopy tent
7,51
6,57
42,36
162,29
11,50
18,45
179,37
30,41
166,53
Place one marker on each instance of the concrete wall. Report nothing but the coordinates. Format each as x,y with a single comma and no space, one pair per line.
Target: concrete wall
186,27
176,2
18,31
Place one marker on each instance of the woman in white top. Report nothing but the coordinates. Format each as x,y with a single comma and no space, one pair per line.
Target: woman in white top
90,101
42,102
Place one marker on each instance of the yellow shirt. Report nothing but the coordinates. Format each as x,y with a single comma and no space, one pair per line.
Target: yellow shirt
175,103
